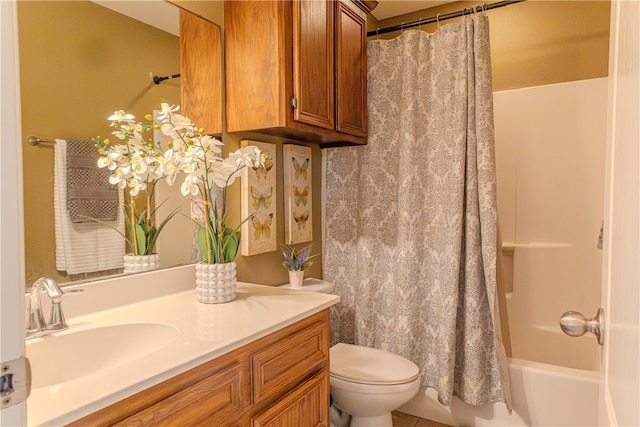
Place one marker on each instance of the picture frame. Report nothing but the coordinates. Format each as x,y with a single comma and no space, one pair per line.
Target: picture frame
298,224
259,193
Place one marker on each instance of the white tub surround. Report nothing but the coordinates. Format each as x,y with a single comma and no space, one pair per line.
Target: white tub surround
198,333
543,395
550,152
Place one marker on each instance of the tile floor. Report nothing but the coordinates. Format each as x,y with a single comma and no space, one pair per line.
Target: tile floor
405,420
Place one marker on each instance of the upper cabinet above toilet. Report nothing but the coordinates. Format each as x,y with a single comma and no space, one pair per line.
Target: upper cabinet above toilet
297,69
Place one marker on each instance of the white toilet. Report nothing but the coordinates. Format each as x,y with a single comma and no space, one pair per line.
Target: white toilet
367,383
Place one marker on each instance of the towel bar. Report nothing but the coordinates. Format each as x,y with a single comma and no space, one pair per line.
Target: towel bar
41,142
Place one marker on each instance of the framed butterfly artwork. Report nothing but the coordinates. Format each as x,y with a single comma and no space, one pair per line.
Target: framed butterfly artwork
298,226
259,195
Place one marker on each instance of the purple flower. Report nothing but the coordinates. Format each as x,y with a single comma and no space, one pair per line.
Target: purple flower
296,260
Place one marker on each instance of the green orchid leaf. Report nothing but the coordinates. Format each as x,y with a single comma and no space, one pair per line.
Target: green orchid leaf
145,227
141,240
152,240
231,242
142,216
202,243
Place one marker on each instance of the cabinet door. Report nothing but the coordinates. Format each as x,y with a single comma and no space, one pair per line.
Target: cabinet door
351,69
313,63
201,72
306,406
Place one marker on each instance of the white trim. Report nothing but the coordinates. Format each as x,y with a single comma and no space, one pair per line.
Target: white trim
11,209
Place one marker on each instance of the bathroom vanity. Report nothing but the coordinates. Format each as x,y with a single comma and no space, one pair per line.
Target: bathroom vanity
166,359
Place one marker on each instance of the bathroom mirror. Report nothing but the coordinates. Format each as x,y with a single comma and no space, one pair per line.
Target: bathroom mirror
79,62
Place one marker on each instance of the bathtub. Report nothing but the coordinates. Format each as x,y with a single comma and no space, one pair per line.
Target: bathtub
543,395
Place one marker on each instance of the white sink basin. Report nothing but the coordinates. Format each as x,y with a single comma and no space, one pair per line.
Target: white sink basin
70,355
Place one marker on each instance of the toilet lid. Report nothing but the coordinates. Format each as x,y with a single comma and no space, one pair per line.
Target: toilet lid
369,365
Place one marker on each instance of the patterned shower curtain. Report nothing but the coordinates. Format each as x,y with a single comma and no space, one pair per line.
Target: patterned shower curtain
410,219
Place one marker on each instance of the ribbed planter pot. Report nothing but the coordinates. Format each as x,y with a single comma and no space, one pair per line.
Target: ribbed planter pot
140,263
215,283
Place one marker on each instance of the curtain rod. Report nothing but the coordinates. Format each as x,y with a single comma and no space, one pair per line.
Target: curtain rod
442,17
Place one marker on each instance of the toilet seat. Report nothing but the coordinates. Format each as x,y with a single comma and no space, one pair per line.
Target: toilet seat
366,365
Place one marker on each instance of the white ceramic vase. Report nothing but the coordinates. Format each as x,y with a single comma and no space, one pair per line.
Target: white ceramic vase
215,283
296,278
140,263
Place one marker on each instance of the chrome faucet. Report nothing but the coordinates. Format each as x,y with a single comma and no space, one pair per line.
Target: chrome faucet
36,325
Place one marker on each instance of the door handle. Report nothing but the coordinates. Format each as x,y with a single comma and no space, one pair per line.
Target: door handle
575,324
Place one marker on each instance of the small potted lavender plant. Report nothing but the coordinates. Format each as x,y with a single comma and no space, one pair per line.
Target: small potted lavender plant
296,262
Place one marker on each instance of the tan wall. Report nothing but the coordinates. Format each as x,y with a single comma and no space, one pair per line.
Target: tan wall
79,62
535,42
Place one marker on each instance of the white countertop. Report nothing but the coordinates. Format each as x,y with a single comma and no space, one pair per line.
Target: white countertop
204,332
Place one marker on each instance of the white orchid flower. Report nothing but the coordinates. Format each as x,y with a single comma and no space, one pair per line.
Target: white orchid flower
120,176
110,161
139,163
190,185
211,144
121,116
247,156
136,185
179,146
168,166
167,110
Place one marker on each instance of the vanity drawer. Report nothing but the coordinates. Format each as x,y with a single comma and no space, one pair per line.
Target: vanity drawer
279,367
306,405
214,393
216,400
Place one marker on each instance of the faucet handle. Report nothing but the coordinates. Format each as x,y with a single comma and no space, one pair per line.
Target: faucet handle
36,326
36,322
56,318
53,289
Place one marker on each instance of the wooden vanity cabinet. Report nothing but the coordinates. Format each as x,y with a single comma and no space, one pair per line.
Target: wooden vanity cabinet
297,69
279,380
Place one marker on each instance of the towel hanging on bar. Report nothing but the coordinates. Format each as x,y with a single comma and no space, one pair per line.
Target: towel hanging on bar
89,193
88,246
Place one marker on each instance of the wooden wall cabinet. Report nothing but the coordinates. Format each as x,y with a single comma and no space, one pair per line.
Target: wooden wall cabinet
281,379
297,69
201,72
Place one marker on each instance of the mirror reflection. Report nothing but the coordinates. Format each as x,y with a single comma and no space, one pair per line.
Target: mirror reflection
80,62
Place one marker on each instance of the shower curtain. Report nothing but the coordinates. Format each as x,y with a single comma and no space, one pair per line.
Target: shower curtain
410,219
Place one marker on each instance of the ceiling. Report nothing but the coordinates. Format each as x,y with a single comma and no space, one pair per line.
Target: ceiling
390,8
164,14
159,14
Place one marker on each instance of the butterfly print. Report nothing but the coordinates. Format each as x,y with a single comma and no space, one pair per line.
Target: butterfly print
301,170
262,228
301,219
301,196
259,198
261,173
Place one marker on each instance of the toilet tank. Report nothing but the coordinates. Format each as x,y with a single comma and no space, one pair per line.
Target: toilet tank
312,284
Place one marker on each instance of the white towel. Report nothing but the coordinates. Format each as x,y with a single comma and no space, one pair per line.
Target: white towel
88,246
